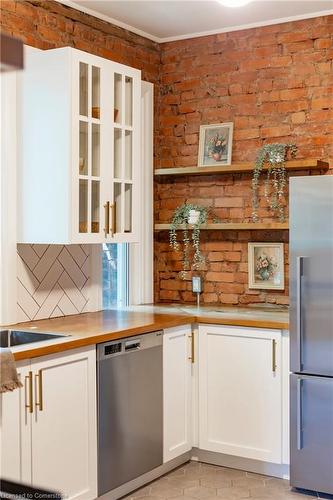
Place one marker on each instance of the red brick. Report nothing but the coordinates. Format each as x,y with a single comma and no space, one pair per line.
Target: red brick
191,139
323,43
322,103
298,117
279,131
229,202
228,298
292,94
217,277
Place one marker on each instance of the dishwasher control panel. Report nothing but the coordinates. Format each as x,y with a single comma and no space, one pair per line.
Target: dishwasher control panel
128,345
112,348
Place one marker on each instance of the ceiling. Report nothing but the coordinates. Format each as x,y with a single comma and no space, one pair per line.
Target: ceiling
169,20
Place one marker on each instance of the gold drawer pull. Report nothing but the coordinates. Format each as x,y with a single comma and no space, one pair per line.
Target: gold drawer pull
192,347
39,378
113,218
274,366
107,218
30,404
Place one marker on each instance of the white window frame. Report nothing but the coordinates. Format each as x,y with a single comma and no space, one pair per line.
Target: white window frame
141,277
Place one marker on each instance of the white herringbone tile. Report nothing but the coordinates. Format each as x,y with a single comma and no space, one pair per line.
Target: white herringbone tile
28,255
66,306
46,261
74,294
73,270
52,280
40,249
56,313
26,277
77,253
52,301
21,315
26,301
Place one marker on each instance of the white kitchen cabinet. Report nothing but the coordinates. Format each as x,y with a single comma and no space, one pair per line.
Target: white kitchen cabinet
80,157
240,392
285,398
15,426
59,438
177,388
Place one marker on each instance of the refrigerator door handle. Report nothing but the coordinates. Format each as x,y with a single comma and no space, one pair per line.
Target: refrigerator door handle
299,422
299,325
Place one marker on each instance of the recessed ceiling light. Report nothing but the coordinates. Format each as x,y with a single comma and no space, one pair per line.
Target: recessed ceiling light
234,3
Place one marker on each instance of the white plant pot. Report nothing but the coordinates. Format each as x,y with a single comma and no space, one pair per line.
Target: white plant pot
193,217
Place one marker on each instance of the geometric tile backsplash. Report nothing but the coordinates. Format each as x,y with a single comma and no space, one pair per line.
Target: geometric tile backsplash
52,280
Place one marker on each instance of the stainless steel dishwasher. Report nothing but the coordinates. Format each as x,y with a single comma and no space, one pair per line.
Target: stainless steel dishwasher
130,409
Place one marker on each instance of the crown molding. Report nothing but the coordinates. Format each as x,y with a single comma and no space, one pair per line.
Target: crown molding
187,36
110,20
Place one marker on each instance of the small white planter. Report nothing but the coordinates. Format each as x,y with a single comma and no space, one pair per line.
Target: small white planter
193,217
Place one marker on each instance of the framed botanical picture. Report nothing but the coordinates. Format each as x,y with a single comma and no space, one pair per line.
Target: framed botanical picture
215,144
266,265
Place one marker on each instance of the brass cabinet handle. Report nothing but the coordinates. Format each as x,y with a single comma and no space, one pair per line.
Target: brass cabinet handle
274,366
113,218
107,218
39,378
192,347
30,404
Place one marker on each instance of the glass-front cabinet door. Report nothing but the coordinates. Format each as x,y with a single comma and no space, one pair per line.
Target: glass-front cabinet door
125,174
89,122
107,153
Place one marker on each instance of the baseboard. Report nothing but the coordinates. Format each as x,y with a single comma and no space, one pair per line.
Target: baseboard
209,457
246,464
146,478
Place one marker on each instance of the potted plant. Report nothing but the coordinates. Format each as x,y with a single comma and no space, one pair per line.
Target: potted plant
274,156
187,217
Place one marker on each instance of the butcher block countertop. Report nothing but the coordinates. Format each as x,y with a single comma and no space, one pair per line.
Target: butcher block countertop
93,328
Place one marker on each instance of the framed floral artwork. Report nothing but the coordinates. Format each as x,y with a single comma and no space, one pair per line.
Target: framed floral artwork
266,265
215,144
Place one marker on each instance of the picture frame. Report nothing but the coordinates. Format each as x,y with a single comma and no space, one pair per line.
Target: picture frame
215,144
266,266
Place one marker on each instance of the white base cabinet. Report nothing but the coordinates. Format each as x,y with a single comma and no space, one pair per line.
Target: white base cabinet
15,431
48,434
177,401
240,392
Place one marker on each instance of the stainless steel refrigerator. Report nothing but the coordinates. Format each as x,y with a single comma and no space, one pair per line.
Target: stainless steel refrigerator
311,332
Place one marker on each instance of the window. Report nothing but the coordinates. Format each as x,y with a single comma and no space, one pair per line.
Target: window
115,265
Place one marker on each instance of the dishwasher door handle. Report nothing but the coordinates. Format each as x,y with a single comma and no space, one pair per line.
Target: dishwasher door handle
132,346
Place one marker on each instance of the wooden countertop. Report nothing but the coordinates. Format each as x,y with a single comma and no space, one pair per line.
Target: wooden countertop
93,328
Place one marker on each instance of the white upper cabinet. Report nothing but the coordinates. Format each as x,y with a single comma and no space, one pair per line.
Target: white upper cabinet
240,392
80,156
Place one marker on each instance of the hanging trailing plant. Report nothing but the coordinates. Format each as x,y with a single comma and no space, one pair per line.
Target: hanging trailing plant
274,156
190,217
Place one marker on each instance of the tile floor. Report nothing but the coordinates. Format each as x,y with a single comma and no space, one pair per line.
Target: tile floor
198,481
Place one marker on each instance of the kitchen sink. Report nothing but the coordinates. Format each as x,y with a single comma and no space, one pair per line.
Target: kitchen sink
11,338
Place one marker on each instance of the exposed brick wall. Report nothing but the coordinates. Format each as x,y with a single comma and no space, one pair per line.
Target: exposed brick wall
275,83
49,24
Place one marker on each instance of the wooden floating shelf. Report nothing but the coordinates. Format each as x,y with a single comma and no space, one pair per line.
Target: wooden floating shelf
238,168
234,226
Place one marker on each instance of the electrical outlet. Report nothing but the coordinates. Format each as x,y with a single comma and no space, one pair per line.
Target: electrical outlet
196,284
